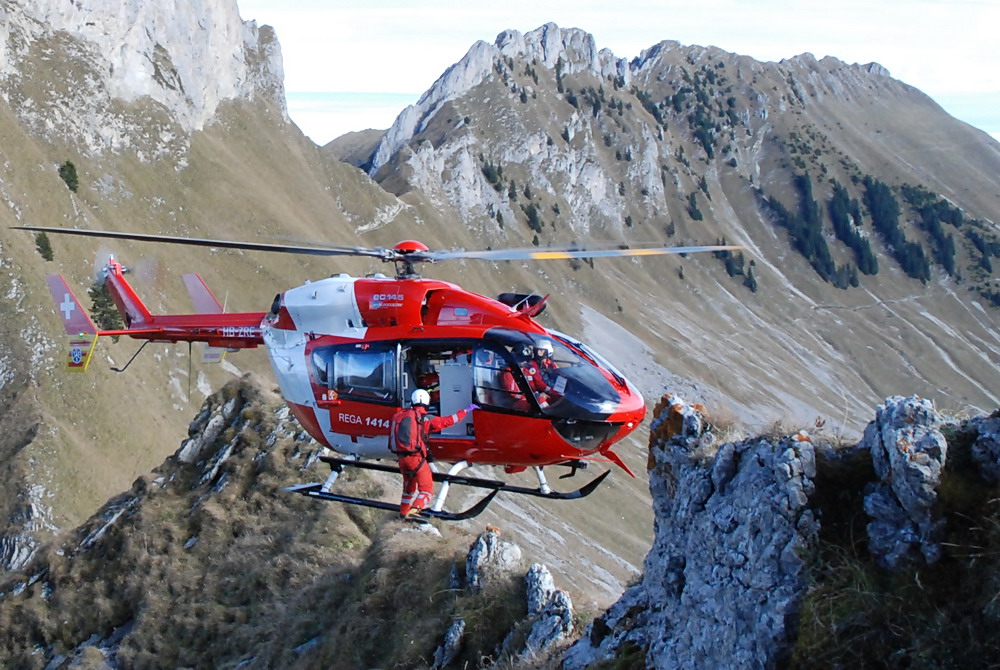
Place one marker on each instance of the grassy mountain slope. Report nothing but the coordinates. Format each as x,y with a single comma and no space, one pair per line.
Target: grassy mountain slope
247,176
585,152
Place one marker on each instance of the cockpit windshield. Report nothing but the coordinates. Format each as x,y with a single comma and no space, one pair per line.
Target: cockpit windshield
521,371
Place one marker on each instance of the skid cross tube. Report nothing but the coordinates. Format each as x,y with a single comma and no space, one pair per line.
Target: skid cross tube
443,493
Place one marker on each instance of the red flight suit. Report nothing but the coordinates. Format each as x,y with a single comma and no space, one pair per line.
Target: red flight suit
536,382
408,440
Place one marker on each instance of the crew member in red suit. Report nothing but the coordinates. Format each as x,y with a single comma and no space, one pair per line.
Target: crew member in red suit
512,390
533,369
408,440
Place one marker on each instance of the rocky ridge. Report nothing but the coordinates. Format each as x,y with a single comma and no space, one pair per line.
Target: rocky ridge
736,576
591,187
549,45
737,556
725,576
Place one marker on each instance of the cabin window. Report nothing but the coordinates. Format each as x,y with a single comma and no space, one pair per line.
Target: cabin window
363,371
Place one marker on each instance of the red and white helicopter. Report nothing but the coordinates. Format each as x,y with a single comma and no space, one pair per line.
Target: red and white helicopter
347,352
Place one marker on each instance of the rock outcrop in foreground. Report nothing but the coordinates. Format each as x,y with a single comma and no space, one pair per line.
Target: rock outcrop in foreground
725,576
759,558
208,563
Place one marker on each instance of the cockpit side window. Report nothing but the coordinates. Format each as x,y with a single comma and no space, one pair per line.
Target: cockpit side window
322,362
496,383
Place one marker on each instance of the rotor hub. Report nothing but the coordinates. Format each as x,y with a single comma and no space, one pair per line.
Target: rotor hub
410,246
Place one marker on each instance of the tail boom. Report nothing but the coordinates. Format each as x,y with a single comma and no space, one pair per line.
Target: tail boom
217,329
229,331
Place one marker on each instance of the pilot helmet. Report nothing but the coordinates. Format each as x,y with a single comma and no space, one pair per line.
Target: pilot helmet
420,397
544,349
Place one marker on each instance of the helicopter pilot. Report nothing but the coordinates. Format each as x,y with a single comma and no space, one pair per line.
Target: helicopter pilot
496,385
408,440
537,363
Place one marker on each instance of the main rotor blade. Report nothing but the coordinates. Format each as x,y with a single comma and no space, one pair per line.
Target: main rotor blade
430,256
549,253
384,254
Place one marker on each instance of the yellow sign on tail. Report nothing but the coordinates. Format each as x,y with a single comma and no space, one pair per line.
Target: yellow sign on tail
81,348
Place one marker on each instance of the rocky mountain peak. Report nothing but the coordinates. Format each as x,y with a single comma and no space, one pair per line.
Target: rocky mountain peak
571,50
188,57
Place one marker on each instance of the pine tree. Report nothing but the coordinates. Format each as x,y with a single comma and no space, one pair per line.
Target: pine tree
44,246
67,171
106,314
692,208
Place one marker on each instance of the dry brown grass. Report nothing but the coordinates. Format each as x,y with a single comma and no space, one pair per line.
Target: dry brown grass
943,615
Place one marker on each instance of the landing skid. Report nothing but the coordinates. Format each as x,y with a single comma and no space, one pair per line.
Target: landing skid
323,491
479,482
316,491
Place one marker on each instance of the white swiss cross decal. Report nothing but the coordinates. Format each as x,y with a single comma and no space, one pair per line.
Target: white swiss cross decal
67,307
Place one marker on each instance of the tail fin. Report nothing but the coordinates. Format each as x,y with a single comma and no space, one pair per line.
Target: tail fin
205,302
128,303
81,330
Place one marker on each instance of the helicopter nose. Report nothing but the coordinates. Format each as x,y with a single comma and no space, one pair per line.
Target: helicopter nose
632,404
634,415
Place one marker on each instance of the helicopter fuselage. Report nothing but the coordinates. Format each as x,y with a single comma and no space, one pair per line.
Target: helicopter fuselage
348,351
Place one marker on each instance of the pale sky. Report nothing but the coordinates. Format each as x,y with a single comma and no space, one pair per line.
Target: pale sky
949,49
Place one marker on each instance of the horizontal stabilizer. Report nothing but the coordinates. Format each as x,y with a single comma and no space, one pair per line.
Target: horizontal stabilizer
205,302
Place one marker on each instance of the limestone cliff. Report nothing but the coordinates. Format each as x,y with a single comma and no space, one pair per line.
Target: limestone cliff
725,577
185,57
759,561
